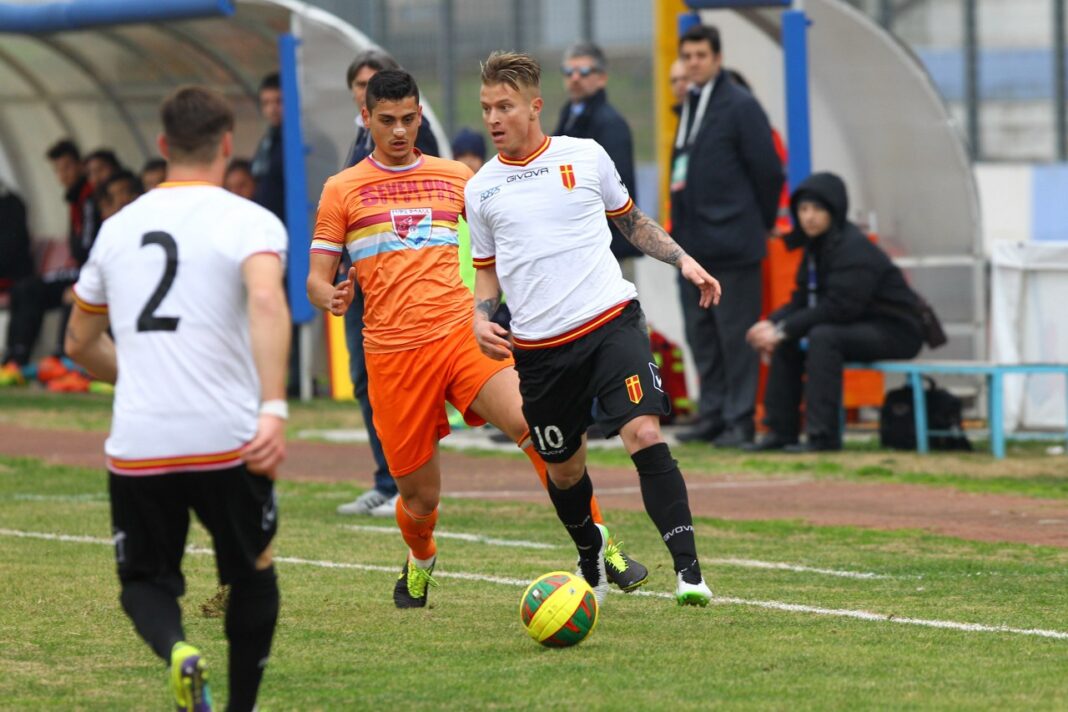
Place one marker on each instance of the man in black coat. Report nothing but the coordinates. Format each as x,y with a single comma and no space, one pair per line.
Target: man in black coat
725,183
850,303
588,114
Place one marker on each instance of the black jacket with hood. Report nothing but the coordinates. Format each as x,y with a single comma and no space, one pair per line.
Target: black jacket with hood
855,280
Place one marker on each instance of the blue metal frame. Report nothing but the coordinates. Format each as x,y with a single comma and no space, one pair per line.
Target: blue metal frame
78,14
795,57
298,210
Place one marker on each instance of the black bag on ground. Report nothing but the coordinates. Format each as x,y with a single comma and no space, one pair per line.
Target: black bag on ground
897,424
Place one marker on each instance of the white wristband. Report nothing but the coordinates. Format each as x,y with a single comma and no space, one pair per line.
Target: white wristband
278,408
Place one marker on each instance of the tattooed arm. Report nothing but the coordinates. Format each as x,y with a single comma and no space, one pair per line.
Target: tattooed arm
491,338
644,233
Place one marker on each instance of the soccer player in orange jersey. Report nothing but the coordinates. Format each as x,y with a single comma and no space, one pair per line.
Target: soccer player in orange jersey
396,214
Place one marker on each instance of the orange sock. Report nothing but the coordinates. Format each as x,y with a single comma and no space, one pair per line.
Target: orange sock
418,531
543,475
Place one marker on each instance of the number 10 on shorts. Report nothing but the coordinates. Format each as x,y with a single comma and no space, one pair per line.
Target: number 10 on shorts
549,439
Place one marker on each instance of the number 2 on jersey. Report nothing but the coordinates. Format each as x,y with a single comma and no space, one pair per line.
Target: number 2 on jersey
147,320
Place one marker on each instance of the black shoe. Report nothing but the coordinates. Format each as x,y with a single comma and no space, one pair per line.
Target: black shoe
412,585
734,436
622,570
811,445
704,431
770,442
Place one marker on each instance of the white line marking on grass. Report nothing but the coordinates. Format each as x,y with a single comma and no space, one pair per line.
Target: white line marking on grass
743,563
717,600
756,564
30,497
602,491
55,537
462,536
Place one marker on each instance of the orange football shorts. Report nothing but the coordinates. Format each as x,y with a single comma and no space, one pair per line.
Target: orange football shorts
408,390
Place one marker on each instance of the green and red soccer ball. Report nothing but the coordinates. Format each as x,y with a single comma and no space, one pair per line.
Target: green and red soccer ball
558,609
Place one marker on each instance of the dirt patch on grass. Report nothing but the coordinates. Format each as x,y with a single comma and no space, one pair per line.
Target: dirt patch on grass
981,517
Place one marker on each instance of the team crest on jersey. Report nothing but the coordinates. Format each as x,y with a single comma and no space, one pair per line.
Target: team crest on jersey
412,225
567,175
634,389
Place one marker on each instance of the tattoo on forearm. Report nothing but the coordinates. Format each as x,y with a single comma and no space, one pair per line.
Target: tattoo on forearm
488,306
644,233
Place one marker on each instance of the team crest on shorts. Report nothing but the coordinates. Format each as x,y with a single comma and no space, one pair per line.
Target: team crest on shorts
412,225
634,389
567,175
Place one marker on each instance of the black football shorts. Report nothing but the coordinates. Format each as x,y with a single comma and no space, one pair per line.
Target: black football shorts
150,521
612,366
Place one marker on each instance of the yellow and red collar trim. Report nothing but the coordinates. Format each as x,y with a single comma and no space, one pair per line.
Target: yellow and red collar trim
525,161
185,183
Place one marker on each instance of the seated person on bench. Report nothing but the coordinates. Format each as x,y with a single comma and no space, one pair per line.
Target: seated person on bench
850,303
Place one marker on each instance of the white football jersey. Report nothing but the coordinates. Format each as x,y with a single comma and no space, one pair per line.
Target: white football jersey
543,223
167,271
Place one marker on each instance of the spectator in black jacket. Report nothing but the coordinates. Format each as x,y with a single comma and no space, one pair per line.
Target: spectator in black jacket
268,166
850,303
366,65
16,262
587,114
725,184
35,295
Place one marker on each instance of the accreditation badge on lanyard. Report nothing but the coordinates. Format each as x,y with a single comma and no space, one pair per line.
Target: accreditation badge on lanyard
686,136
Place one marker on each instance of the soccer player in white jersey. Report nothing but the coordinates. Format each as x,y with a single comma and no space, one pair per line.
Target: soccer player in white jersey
189,278
538,214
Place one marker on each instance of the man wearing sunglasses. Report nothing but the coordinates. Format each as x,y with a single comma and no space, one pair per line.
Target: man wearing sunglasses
588,114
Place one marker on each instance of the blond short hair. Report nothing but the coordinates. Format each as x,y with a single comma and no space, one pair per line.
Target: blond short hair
517,70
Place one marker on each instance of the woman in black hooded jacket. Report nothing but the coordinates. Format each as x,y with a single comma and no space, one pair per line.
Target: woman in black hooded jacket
850,303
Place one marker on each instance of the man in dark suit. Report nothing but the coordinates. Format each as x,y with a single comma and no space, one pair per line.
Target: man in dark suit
588,114
725,184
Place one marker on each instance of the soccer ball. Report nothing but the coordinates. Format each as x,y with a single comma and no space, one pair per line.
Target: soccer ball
558,609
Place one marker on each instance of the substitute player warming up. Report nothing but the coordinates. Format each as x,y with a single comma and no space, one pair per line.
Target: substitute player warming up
396,213
189,278
538,214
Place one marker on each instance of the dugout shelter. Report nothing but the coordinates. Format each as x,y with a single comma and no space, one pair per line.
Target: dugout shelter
96,71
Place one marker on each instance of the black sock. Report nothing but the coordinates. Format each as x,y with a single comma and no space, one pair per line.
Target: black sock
155,614
251,616
664,495
573,509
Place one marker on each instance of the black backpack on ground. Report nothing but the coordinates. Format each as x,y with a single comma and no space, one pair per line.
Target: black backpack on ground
897,424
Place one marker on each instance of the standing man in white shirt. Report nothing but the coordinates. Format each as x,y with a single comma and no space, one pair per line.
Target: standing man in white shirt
538,214
189,279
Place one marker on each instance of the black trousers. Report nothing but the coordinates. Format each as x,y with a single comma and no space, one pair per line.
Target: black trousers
31,299
727,368
816,373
